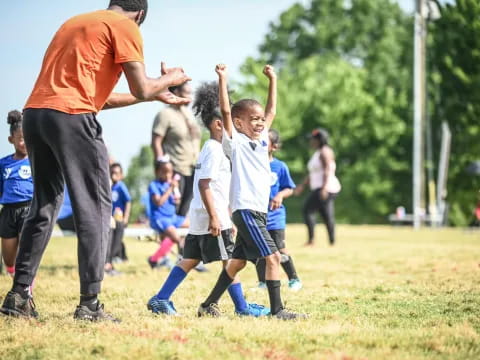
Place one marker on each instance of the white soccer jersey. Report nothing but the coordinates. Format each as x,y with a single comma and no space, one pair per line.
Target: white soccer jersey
212,164
250,186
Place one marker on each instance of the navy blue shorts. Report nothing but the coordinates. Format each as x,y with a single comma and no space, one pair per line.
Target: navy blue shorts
253,240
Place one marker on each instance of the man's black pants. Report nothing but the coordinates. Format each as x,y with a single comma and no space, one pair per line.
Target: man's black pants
64,148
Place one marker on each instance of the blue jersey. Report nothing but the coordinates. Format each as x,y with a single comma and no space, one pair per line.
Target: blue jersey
66,209
280,179
16,183
120,196
168,208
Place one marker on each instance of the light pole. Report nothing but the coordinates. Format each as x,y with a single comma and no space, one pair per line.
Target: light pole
419,109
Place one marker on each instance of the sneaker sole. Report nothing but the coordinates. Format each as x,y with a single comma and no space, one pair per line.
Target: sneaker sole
15,313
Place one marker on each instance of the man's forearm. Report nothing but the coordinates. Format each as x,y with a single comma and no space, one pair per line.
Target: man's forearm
116,100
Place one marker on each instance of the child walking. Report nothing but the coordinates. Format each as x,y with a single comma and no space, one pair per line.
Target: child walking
245,142
210,233
282,187
16,191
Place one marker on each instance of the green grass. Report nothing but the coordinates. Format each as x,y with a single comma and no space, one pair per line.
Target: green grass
382,293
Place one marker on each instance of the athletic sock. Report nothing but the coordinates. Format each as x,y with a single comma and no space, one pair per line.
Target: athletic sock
89,301
273,287
222,284
261,267
174,279
289,269
236,293
21,289
163,249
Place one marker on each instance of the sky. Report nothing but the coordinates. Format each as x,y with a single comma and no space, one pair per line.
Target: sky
194,34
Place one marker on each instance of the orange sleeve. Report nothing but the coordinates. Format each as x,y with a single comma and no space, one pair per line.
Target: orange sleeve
127,42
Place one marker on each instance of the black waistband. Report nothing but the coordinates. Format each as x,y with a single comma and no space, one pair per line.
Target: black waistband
17,205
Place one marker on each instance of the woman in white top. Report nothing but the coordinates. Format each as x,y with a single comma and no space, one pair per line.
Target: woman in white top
324,186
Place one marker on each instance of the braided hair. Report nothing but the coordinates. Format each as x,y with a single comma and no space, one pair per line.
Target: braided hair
14,119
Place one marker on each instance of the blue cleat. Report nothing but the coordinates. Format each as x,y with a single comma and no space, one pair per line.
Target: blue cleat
159,306
295,284
254,310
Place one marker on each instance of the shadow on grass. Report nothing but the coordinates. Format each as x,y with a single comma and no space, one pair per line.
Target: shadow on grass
55,269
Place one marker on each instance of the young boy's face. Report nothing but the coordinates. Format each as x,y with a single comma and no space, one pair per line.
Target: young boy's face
251,122
18,142
164,172
271,146
116,174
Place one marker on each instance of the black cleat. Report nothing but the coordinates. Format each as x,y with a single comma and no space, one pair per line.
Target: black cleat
285,314
211,310
15,305
83,312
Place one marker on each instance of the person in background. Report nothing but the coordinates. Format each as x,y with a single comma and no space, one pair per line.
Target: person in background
65,216
281,187
121,207
324,186
176,133
16,191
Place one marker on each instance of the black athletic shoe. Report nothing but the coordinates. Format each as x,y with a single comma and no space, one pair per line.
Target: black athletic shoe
211,310
285,314
83,312
15,305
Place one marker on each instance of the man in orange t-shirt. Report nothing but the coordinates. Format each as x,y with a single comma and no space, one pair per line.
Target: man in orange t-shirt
64,141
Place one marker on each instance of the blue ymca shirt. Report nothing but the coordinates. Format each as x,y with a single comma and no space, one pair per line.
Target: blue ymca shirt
168,208
280,180
16,183
120,196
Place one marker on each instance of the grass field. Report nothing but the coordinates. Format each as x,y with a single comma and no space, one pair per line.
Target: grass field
381,293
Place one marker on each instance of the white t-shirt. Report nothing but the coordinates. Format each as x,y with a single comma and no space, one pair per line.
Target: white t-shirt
250,186
316,173
212,164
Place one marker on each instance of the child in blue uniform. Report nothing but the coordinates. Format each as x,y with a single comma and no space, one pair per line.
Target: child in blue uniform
282,187
210,234
164,198
16,191
121,206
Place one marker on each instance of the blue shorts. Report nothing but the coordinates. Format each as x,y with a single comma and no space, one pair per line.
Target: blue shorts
163,223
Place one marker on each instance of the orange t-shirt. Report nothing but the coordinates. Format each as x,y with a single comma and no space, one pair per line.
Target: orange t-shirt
83,62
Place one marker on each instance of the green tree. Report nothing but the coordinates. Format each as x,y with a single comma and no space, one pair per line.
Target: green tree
139,175
345,66
455,57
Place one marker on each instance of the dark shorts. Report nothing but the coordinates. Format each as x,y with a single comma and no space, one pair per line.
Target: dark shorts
208,248
11,219
278,237
253,240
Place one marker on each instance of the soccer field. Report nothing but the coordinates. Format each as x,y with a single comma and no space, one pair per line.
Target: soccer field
381,293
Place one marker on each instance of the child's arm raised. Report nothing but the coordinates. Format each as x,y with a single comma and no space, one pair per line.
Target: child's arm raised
271,108
221,70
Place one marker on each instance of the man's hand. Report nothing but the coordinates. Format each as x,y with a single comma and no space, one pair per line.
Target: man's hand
221,70
269,72
168,97
276,202
214,226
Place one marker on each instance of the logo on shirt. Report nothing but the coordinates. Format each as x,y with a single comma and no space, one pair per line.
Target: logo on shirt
114,195
198,166
273,178
7,173
25,172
